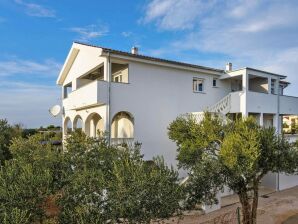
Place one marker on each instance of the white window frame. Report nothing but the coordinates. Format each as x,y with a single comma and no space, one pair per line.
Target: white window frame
117,78
195,85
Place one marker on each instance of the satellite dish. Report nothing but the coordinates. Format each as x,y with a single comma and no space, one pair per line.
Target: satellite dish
55,110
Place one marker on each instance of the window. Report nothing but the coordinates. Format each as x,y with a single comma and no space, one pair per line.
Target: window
67,90
214,82
198,85
117,78
120,73
273,86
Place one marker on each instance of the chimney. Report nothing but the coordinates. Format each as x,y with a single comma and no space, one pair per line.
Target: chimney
229,67
134,50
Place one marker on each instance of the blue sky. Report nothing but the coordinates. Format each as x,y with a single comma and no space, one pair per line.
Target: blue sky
36,35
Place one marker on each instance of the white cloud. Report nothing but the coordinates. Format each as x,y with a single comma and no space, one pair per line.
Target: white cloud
28,104
176,14
15,66
241,8
90,32
261,34
126,33
36,10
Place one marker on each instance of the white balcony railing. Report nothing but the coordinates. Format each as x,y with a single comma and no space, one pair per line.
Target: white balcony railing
120,141
255,102
223,106
94,93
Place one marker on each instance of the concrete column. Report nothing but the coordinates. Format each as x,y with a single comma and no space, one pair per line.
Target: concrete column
83,126
245,87
74,84
269,85
261,122
276,122
93,128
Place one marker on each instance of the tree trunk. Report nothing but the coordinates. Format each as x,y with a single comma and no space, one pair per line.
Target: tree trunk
246,208
254,208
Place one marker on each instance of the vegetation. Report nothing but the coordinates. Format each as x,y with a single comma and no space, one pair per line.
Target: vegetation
7,133
234,154
88,182
116,184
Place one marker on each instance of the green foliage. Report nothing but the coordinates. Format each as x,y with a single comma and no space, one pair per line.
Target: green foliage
24,188
109,184
89,182
42,156
26,181
140,192
234,154
83,198
15,216
7,133
28,132
240,149
193,139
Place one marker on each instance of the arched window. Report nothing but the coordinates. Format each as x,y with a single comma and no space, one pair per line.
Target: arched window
78,123
67,126
94,125
122,125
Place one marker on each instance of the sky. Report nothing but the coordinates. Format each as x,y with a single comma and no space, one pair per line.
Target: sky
36,36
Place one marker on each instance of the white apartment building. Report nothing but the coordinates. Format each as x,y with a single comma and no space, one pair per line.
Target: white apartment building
134,97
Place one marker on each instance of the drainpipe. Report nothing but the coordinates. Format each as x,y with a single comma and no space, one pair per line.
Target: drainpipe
278,123
109,99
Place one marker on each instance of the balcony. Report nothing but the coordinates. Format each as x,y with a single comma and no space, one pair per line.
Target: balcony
288,105
94,93
122,141
256,102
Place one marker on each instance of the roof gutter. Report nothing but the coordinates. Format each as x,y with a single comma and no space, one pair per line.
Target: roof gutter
161,62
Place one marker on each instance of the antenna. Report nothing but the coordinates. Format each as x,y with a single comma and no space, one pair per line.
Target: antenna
55,110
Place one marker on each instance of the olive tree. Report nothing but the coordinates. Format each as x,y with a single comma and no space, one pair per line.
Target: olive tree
28,180
7,133
114,184
236,154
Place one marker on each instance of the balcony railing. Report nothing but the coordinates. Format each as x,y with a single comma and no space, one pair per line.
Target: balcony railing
94,93
120,141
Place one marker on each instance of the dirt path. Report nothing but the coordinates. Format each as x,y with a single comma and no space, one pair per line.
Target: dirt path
274,209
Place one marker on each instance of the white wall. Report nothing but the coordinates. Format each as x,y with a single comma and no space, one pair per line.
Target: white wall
261,102
87,59
155,96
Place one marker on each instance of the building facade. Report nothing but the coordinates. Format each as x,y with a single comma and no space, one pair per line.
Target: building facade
134,97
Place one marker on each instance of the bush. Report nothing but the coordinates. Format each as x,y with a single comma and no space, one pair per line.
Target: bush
115,184
88,182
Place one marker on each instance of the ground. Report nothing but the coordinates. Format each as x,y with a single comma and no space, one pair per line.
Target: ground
274,208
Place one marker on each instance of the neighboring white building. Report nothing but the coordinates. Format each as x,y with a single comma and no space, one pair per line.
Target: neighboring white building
135,97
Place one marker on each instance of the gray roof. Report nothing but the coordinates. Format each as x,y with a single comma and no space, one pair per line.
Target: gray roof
154,59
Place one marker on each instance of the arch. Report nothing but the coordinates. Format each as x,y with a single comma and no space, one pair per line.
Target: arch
67,126
94,125
78,123
122,125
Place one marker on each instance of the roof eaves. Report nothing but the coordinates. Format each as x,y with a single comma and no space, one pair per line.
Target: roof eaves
271,73
154,59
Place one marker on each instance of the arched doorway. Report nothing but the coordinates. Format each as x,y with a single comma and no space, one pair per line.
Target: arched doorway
122,125
67,126
78,123
94,125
